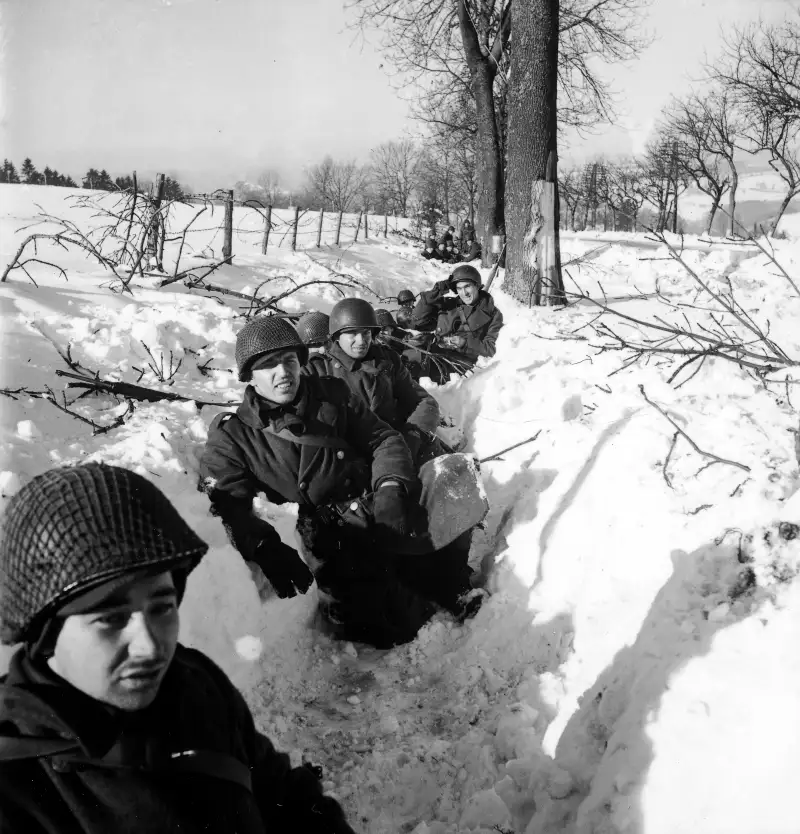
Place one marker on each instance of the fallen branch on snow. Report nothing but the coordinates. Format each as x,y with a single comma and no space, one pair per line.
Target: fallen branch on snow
680,431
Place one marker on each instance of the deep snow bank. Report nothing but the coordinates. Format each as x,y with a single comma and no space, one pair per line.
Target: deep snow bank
626,668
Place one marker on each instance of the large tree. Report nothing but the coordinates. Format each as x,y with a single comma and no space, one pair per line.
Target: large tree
533,260
453,50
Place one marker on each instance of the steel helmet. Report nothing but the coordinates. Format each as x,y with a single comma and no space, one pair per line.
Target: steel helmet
465,272
312,327
263,335
384,318
74,528
404,296
352,314
405,318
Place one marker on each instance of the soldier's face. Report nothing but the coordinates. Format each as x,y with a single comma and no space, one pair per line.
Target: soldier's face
355,343
119,650
467,292
277,377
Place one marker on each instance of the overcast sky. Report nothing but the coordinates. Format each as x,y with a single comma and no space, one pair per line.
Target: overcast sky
214,90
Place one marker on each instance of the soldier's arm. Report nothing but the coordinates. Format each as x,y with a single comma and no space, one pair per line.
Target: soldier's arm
230,485
429,304
380,443
419,407
488,345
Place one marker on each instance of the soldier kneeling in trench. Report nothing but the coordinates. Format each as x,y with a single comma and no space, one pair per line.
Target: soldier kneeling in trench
386,548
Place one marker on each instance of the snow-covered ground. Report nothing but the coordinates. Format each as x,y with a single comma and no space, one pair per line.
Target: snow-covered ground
636,669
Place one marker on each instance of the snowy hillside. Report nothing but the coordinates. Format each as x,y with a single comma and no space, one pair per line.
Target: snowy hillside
636,669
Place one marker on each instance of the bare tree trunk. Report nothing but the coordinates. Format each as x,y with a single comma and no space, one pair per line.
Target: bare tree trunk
712,213
534,267
732,200
488,156
319,227
786,200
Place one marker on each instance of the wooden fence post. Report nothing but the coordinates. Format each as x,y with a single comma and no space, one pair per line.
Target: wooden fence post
319,228
339,227
155,221
267,228
294,230
385,225
358,226
366,225
227,241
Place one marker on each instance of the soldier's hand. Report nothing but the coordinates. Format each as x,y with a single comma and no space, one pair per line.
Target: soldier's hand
458,341
286,572
414,439
389,509
443,286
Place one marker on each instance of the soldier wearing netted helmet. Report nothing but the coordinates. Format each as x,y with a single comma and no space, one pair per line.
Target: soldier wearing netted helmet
107,723
312,327
304,439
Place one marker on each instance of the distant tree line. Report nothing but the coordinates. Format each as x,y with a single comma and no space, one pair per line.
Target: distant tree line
30,175
93,179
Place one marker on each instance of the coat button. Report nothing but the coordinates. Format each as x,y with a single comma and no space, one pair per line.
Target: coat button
336,365
340,454
302,485
354,506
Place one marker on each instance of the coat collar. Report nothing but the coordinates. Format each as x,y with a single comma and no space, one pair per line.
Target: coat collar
259,413
350,364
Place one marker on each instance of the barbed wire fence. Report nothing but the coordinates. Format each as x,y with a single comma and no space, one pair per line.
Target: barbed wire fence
262,225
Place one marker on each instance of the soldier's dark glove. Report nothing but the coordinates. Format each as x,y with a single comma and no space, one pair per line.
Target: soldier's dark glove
389,510
285,570
414,440
444,286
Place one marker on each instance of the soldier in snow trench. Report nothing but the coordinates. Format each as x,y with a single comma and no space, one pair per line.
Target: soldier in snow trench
313,330
107,723
307,440
466,325
377,376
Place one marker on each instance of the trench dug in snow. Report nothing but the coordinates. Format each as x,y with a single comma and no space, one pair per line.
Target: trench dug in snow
627,656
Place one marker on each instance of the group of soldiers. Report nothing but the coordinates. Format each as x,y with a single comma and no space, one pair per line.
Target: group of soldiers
442,332
453,247
106,722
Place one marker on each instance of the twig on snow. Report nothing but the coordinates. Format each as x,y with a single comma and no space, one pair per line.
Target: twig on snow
679,430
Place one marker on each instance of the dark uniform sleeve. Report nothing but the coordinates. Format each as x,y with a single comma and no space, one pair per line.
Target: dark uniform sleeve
488,345
231,487
429,304
289,798
415,405
379,442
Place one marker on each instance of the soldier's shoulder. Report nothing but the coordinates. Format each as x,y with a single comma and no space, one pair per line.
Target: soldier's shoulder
330,389
222,421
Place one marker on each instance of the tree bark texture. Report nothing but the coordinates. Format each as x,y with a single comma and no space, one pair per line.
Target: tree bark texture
533,273
488,156
732,201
